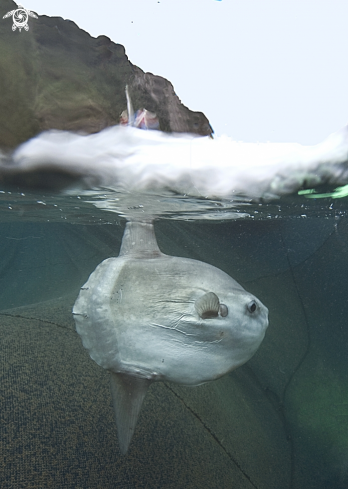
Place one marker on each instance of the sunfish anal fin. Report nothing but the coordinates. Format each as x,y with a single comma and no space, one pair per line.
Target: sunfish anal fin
139,241
128,393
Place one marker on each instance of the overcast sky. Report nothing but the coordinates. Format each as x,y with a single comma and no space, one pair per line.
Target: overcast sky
260,70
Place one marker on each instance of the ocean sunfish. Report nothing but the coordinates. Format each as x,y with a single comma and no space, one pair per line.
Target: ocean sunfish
146,317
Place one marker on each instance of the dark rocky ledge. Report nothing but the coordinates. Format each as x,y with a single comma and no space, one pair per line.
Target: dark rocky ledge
56,76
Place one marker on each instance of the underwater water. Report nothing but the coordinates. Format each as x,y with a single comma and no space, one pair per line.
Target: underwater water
279,421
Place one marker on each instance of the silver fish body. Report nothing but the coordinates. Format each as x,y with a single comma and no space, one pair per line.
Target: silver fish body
146,316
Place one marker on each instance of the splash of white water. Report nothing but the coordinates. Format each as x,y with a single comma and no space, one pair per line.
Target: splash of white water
131,159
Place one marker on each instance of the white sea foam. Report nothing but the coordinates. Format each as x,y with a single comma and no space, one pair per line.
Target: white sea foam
132,159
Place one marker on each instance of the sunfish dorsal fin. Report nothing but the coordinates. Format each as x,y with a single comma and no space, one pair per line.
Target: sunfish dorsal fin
128,393
139,240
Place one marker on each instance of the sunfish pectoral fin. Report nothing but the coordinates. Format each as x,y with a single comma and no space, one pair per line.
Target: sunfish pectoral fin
128,393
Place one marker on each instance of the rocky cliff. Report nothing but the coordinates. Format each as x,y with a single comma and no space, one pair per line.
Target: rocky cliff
56,76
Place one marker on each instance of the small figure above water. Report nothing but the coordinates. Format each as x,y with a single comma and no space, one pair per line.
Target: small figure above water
142,119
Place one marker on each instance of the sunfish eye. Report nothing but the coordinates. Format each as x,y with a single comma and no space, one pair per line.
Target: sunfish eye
252,306
223,310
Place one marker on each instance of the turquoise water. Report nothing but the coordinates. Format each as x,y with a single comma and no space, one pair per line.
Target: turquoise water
279,421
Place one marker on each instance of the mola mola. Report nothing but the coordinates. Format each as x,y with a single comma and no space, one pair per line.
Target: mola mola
146,317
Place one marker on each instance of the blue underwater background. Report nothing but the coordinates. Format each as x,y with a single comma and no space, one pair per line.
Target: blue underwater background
279,421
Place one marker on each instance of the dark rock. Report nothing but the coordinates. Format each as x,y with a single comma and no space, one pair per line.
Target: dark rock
56,76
